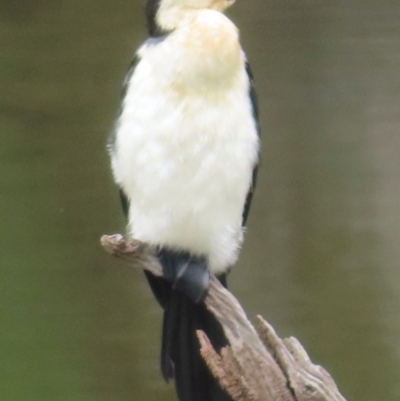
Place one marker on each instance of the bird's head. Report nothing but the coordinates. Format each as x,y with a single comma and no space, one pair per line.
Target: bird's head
164,15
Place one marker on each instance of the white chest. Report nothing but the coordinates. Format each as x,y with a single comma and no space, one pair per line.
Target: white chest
186,145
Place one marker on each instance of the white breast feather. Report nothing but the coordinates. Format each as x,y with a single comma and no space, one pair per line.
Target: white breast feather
186,141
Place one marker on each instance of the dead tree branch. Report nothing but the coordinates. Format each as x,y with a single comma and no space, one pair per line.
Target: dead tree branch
258,365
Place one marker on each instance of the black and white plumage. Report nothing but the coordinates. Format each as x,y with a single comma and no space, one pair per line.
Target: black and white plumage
184,153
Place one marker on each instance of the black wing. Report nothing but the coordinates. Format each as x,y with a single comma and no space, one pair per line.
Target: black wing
111,140
254,103
132,66
131,69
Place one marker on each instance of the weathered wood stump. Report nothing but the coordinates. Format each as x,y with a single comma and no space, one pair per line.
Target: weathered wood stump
257,365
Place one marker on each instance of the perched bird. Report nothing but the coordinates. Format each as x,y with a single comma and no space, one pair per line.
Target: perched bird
184,153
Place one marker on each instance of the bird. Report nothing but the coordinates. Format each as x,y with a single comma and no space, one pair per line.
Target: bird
184,154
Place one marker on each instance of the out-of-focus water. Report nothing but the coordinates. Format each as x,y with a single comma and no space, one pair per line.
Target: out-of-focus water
322,255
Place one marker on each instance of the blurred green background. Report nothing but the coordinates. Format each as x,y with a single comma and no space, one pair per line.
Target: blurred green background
321,260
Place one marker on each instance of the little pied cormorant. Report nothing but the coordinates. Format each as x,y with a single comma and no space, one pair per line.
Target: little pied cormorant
184,154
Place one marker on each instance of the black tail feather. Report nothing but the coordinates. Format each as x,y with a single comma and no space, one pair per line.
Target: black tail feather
180,350
161,288
180,354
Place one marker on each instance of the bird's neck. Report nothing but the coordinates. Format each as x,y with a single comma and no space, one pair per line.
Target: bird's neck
162,19
152,12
